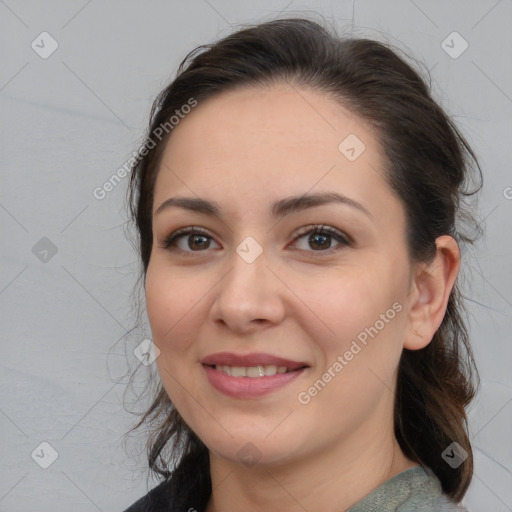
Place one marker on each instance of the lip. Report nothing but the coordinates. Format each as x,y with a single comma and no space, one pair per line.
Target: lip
255,359
247,387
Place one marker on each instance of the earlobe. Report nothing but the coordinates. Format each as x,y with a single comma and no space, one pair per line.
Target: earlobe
431,289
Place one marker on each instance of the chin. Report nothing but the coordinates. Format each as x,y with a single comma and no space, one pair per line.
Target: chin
249,447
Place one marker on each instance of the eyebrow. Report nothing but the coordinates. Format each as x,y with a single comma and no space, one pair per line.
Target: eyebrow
279,209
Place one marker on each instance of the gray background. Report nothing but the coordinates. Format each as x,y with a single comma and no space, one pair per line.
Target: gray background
71,120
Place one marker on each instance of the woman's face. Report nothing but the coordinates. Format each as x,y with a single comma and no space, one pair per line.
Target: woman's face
251,292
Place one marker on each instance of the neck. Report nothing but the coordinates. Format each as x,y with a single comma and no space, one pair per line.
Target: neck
331,481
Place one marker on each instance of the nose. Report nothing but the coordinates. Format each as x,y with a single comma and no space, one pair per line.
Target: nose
249,297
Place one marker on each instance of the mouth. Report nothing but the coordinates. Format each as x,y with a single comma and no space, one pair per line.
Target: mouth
251,375
251,365
252,372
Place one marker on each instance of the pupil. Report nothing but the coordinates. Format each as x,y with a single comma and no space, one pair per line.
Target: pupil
194,245
323,240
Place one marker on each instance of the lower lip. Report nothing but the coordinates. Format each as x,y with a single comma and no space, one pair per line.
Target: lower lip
249,387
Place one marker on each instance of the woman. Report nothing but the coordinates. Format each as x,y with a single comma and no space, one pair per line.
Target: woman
297,202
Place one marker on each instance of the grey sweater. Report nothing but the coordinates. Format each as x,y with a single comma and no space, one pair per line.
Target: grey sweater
414,490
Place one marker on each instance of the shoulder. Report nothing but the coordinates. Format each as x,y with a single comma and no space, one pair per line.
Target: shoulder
414,490
156,500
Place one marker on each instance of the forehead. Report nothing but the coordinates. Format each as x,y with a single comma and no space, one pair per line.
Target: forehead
280,117
268,142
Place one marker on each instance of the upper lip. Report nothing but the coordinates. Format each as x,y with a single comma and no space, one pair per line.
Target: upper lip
246,360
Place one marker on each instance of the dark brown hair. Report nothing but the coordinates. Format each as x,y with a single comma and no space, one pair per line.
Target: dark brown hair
428,165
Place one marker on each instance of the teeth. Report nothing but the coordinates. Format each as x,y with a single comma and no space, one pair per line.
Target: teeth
254,371
238,371
271,369
251,371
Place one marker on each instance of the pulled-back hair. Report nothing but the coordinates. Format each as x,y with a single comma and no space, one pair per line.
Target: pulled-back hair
428,165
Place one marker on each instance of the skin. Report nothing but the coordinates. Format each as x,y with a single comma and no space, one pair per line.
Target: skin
245,149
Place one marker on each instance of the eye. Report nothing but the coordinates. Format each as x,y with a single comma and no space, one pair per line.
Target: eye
320,239
192,239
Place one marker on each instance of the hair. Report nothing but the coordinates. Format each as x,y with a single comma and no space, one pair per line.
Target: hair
428,164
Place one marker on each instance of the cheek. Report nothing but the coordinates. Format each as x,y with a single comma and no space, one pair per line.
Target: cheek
361,349
171,303
173,309
353,303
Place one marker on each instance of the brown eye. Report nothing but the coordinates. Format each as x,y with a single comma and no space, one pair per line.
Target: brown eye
198,242
321,239
189,240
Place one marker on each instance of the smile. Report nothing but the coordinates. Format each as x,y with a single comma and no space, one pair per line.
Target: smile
250,375
252,372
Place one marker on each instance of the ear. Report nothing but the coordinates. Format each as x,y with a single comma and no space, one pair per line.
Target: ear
430,291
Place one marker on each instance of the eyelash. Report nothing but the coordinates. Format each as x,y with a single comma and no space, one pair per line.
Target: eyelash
342,239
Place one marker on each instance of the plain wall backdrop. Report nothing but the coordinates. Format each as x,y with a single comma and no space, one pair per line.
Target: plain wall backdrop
73,114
